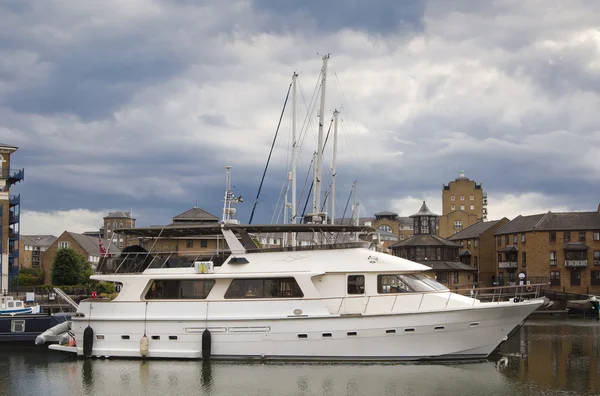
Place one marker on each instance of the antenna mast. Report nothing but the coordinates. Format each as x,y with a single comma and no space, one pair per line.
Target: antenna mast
294,156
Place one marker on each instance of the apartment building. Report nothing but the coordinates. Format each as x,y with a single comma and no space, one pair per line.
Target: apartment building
560,249
478,249
464,203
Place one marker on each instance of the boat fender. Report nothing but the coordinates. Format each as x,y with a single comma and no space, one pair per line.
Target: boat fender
88,341
144,346
206,341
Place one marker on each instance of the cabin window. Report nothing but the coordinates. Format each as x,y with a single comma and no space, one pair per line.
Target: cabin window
356,284
264,288
11,304
402,283
17,326
179,289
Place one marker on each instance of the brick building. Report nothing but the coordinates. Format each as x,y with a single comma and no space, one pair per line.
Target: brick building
478,249
32,248
440,254
114,221
562,249
10,213
463,204
87,246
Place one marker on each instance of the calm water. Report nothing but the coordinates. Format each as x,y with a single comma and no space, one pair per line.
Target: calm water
547,357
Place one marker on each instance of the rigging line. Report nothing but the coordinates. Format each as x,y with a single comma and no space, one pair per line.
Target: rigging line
283,187
344,213
270,153
303,188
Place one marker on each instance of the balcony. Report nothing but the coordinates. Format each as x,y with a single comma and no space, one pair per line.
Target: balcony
576,263
13,218
508,264
597,262
14,200
12,176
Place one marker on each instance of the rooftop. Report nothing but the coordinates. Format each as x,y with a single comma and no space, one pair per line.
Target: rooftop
474,231
563,221
118,215
195,214
424,211
91,244
425,240
38,240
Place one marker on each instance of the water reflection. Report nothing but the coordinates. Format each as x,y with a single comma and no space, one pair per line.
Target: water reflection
548,357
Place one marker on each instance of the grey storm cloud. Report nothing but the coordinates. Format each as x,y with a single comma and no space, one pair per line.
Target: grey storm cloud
141,104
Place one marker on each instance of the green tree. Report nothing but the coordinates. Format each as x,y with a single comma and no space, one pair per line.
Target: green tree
70,268
31,277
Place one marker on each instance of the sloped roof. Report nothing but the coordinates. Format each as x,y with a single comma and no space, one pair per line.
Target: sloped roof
509,248
118,215
195,214
520,224
38,240
570,221
424,211
425,240
386,213
474,231
90,244
8,146
465,253
564,221
578,246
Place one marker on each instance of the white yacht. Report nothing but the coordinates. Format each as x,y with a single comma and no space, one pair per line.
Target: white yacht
325,302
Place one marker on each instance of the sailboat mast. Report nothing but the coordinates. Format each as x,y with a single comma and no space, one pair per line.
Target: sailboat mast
294,155
319,163
334,164
356,204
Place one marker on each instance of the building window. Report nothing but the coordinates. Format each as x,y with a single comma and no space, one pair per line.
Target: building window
567,236
63,244
552,236
462,197
476,262
506,240
552,259
469,243
441,277
203,243
452,207
452,198
555,278
596,257
462,207
499,241
457,224
499,257
455,277
523,238
595,275
523,259
475,242
571,255
575,278
472,197
582,236
189,243
515,239
356,284
596,236
385,228
472,207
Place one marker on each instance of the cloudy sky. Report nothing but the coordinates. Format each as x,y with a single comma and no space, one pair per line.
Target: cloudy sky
141,103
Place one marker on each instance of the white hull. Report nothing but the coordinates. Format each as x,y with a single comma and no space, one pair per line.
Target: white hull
471,332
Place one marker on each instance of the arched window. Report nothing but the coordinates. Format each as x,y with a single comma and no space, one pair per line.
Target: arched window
385,228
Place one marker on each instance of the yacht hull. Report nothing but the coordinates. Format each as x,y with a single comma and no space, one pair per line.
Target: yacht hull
459,333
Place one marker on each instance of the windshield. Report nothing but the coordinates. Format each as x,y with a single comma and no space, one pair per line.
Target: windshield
407,283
